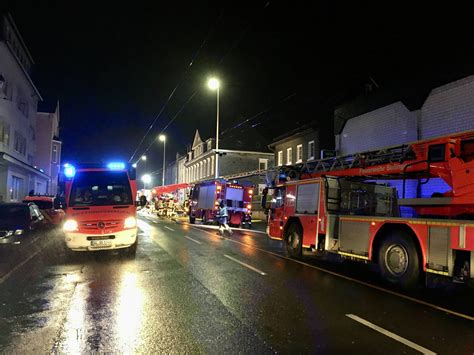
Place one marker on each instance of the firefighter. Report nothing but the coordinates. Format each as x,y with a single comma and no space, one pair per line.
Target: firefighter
223,218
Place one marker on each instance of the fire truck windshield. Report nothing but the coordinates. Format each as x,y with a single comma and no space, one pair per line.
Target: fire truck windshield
101,188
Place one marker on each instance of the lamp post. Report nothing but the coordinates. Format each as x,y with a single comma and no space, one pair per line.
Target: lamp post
146,180
162,138
214,84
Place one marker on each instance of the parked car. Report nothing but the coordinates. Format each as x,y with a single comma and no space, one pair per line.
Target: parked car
19,220
50,207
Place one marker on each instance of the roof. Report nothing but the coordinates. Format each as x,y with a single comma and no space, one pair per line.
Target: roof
297,132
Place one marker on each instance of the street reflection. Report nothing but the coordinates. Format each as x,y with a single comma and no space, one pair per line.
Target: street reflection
129,313
74,328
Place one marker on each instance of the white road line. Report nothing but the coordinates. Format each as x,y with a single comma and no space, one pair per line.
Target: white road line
171,229
194,240
246,265
415,300
233,228
391,335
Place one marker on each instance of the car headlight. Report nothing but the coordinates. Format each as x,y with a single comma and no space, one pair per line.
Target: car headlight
70,226
130,222
19,232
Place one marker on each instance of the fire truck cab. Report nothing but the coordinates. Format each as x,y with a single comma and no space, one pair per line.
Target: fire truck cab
100,209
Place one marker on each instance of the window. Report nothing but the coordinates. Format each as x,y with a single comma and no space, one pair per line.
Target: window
54,155
280,158
310,150
289,153
101,188
299,153
16,189
21,103
32,133
4,133
262,164
20,143
208,166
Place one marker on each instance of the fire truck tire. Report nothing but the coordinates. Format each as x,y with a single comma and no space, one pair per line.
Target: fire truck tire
294,240
399,260
192,219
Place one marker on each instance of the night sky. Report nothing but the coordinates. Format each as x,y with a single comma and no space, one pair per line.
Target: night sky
113,67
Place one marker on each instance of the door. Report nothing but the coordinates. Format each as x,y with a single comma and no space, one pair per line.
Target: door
276,214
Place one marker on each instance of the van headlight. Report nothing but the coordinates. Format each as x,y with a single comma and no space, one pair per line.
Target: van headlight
19,232
70,226
130,222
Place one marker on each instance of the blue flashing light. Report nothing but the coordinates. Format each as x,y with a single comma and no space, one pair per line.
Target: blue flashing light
116,166
69,170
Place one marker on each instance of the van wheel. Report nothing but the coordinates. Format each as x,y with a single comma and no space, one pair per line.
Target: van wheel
294,240
399,260
192,219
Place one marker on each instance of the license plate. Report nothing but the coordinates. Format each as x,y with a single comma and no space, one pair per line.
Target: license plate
101,243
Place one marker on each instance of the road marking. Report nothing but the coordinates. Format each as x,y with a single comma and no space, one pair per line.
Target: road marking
391,335
233,228
194,240
171,229
246,265
442,309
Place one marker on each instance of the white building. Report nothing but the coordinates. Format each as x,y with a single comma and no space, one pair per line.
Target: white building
447,109
48,155
18,105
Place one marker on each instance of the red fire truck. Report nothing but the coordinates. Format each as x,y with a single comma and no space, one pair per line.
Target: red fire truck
341,205
204,197
100,209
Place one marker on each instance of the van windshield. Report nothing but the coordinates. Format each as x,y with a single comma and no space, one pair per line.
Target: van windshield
101,188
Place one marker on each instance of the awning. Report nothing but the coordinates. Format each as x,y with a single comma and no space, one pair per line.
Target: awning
158,190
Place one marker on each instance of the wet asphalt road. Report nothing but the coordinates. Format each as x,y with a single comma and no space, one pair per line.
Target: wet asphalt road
188,291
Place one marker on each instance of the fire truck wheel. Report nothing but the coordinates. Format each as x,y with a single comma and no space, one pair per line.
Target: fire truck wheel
294,240
399,261
192,219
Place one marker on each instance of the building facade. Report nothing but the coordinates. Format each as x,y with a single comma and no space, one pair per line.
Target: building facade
48,156
298,146
447,109
199,162
18,105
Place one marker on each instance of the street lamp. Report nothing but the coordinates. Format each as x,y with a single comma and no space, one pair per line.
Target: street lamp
214,84
146,180
144,157
162,138
134,165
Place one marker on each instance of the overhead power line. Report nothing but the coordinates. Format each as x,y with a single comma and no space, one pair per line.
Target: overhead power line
233,45
170,96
